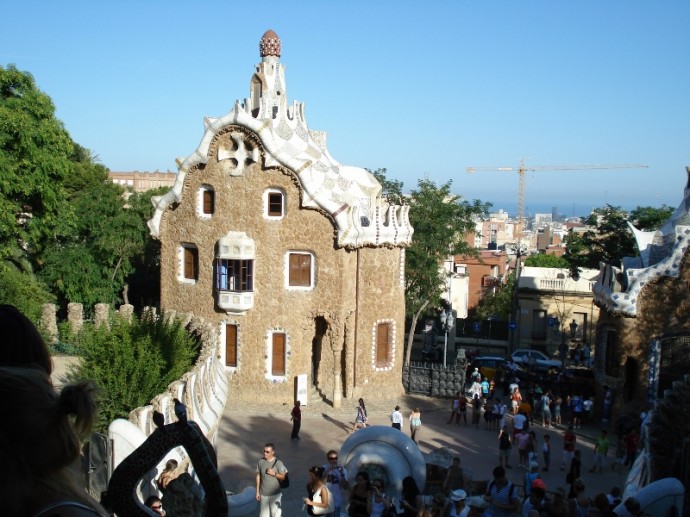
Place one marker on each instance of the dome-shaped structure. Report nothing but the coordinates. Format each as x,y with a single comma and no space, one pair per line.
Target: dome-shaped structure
269,44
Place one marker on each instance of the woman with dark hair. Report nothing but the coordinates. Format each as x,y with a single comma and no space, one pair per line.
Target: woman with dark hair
319,496
361,418
22,345
359,496
41,435
411,501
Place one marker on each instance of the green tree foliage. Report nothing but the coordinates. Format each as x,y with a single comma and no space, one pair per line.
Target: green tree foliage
498,303
648,218
609,241
441,220
132,363
544,260
24,291
35,152
392,190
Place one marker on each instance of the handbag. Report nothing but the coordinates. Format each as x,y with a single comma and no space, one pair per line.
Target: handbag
317,510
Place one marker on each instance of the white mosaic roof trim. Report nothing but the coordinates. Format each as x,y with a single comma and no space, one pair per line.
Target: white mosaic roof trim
351,195
661,253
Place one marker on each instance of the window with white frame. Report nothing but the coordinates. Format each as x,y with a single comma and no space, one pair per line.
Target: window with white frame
206,201
188,263
300,270
234,272
274,204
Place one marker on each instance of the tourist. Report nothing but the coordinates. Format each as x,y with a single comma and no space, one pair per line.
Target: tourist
378,501
361,418
580,503
546,409
546,452
488,414
534,499
614,497
501,421
415,423
587,355
516,398
359,496
531,476
270,471
169,473
41,435
477,506
577,406
501,495
558,401
485,386
22,343
505,444
455,410
633,506
522,439
601,448
532,447
154,502
319,495
608,401
336,479
462,410
569,442
574,473
455,477
455,507
519,423
296,417
411,502
557,506
632,441
587,409
397,418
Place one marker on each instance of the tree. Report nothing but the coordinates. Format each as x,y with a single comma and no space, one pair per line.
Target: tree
391,190
648,218
609,241
498,303
543,260
35,152
440,220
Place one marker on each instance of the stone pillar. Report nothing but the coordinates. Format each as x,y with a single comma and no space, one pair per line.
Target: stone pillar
75,316
148,314
126,311
49,322
101,315
337,378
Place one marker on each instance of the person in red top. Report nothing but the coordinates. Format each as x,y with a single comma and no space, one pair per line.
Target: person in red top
632,441
569,441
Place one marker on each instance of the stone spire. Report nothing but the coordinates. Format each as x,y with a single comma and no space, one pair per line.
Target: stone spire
269,44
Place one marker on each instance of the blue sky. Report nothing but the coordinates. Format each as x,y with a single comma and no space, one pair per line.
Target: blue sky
424,89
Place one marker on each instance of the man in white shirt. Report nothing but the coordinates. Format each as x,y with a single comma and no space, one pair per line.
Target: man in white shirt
397,418
519,422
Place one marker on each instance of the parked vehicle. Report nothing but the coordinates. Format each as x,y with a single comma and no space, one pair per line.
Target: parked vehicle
496,368
539,360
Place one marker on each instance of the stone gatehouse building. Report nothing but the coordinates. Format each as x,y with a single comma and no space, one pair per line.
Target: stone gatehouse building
643,331
296,258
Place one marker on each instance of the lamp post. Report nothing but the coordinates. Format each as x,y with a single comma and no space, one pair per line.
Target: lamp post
447,321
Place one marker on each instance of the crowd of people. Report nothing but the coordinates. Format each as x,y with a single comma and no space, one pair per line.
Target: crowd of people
42,431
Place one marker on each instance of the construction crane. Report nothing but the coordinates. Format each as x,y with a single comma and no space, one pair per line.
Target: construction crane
522,169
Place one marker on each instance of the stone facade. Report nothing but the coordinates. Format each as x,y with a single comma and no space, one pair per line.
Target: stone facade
295,258
643,332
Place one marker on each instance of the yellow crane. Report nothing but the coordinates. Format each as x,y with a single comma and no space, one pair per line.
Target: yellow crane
523,168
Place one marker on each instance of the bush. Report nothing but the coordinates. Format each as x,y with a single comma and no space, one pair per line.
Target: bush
23,291
132,363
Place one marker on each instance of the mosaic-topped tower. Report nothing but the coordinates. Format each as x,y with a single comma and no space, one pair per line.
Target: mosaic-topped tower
296,257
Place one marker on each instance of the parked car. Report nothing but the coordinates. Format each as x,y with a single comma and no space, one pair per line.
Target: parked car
496,368
540,360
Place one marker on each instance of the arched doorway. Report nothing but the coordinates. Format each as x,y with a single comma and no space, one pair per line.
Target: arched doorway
631,379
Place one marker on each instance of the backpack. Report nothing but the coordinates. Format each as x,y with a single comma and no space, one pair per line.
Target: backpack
285,482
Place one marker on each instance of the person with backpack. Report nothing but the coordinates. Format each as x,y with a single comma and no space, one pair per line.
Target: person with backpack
271,476
501,495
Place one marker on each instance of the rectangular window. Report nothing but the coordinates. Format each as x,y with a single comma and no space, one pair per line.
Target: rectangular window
300,270
278,355
231,345
538,324
382,344
208,201
234,275
275,204
191,263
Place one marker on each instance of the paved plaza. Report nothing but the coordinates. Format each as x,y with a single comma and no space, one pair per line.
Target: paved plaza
246,427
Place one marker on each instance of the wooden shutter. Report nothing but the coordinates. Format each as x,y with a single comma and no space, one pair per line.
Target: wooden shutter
230,345
278,355
300,270
382,344
190,260
208,198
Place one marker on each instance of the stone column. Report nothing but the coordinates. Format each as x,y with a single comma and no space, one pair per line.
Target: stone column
75,316
101,315
49,322
126,311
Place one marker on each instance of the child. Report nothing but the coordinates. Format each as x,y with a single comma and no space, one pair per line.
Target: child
601,448
546,450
